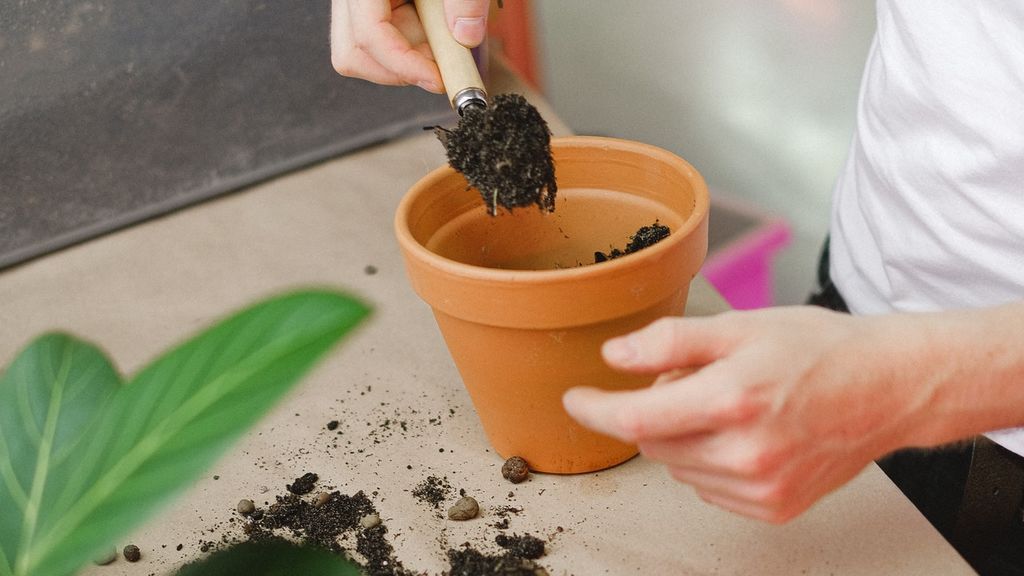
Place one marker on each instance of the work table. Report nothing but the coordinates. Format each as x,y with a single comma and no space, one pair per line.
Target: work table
138,291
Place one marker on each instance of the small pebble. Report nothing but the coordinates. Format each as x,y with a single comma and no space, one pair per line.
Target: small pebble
515,470
369,521
321,499
332,425
264,489
370,269
106,558
245,507
132,553
465,509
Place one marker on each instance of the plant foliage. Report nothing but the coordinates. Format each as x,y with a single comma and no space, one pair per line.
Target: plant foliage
271,558
84,457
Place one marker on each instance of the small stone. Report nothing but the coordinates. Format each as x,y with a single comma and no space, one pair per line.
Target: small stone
465,509
321,499
370,270
264,489
369,521
245,507
107,558
332,425
515,470
132,553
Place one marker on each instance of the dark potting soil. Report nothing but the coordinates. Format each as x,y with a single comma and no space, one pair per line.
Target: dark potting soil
471,562
433,490
644,237
525,546
324,522
303,484
321,522
504,151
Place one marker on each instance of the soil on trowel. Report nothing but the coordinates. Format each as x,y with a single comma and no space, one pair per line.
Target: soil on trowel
504,151
646,236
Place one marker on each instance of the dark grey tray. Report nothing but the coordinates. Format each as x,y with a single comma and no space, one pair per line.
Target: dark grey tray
114,111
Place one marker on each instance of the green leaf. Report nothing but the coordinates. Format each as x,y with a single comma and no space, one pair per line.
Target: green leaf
271,558
52,391
163,428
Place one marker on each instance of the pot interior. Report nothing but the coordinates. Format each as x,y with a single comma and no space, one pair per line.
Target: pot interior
585,220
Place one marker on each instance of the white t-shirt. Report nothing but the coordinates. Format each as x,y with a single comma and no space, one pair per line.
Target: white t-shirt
928,213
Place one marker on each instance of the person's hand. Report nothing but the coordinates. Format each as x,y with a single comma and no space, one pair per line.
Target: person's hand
383,41
762,412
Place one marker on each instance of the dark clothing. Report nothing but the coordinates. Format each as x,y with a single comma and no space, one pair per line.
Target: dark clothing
971,491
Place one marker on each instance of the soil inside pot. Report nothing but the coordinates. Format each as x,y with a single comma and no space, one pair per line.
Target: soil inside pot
645,237
588,220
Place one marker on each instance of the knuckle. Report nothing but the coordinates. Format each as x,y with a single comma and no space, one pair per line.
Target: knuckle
781,515
742,405
773,495
758,463
342,63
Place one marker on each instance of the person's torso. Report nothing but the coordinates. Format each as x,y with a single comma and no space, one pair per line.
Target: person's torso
928,213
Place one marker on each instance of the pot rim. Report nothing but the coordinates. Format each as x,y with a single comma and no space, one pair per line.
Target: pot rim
702,203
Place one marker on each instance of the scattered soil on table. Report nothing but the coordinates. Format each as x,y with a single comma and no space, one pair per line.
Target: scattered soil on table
504,151
333,522
323,522
433,490
644,237
471,562
349,523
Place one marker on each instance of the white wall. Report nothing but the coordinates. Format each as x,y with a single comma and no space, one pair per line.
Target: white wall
759,95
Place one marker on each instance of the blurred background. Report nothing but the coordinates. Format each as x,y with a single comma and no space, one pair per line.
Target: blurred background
759,95
115,111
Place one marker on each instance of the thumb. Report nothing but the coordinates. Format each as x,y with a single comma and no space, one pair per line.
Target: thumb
467,19
669,344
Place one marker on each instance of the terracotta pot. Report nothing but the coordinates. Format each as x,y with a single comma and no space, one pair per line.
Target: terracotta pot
523,318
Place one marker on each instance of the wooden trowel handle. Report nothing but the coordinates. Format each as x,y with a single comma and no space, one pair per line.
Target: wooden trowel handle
458,68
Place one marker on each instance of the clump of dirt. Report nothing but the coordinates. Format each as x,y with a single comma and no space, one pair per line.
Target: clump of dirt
525,546
504,151
303,484
644,237
350,526
515,470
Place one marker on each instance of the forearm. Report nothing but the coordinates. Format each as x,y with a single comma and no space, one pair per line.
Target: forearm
970,363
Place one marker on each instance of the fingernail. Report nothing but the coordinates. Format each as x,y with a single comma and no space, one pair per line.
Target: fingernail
470,31
621,351
429,86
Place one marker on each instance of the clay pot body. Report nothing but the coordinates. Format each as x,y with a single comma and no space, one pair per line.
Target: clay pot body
522,314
